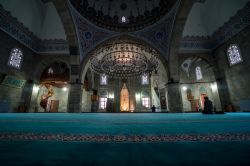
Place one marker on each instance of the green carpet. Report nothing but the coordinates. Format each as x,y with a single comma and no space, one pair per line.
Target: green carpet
125,139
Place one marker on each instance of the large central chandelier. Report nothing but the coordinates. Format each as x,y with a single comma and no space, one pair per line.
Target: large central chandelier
124,59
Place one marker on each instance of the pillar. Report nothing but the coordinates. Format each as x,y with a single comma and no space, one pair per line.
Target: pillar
76,89
75,98
174,97
26,97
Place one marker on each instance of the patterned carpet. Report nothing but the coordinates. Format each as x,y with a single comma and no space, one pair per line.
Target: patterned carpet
125,139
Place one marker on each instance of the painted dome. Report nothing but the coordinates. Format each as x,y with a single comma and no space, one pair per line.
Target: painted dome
123,15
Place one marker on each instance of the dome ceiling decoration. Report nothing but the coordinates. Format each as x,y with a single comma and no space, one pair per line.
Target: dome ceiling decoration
124,58
123,15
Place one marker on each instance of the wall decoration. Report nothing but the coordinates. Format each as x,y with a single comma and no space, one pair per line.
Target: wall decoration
52,99
13,81
44,102
88,35
123,16
159,35
124,99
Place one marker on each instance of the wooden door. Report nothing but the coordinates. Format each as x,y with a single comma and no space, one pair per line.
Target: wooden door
54,105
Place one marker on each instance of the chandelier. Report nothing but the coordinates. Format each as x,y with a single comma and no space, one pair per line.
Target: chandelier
123,59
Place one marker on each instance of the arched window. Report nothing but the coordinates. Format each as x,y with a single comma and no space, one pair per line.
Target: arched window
16,57
144,79
103,100
103,79
124,19
233,53
50,71
145,99
198,73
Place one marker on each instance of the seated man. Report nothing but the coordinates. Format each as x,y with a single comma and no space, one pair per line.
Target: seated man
153,108
208,106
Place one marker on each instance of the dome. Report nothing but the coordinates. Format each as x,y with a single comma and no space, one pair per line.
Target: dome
121,15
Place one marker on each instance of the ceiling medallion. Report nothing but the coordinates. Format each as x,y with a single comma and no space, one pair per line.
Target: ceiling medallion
124,59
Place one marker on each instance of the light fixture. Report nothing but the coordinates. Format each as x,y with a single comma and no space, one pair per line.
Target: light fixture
65,89
124,58
184,88
111,95
214,86
36,88
137,96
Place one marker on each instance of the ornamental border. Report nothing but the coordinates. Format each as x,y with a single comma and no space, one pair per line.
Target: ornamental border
125,138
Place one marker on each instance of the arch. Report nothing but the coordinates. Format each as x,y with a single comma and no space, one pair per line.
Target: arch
180,21
200,87
52,94
88,80
192,63
46,63
161,76
68,24
55,73
85,63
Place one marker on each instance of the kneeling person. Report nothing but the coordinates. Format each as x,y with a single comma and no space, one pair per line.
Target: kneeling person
208,106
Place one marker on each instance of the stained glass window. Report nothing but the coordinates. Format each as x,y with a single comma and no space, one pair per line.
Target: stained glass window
198,73
146,102
103,102
144,79
234,55
124,19
16,57
103,79
50,71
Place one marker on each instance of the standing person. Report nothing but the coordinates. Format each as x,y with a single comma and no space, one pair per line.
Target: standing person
153,108
208,106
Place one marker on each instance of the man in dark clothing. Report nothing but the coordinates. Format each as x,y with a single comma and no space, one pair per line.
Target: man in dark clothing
153,108
208,106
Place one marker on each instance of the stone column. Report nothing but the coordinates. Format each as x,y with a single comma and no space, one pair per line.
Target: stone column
26,96
75,98
75,90
174,97
223,91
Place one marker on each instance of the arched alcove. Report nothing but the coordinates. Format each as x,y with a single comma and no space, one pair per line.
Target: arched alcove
197,80
50,94
134,84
